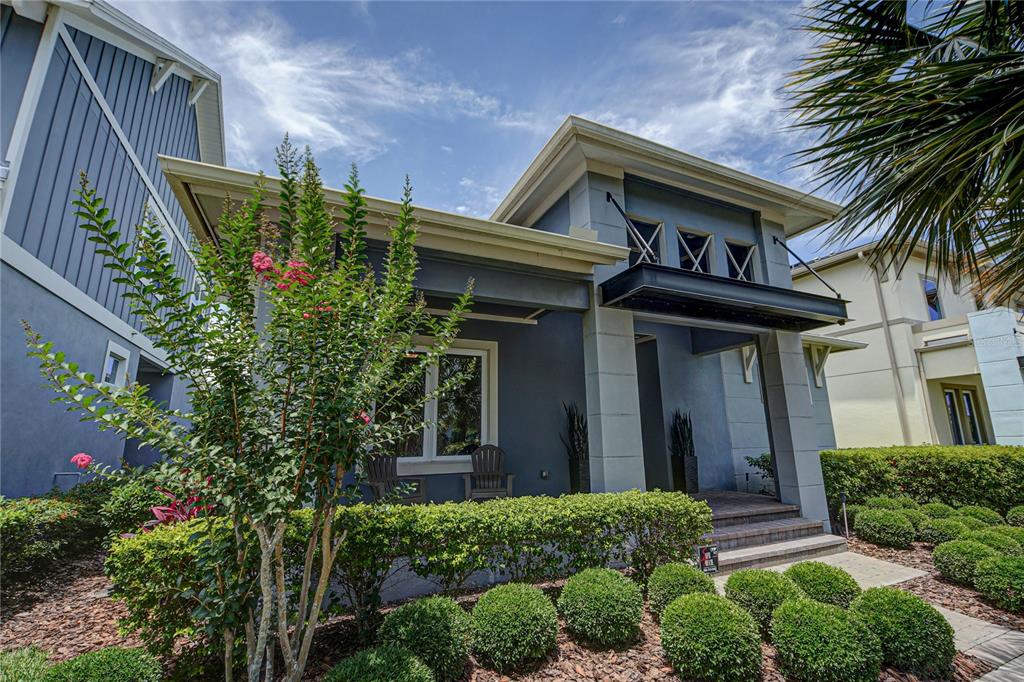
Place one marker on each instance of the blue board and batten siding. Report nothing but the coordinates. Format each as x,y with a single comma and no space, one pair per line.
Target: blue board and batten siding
68,134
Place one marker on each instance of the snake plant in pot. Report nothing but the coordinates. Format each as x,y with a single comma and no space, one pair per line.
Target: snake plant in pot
684,458
575,441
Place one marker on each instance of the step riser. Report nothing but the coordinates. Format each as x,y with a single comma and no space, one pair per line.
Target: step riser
754,517
727,566
766,538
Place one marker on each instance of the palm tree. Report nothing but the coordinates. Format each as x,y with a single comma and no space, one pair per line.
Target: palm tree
919,124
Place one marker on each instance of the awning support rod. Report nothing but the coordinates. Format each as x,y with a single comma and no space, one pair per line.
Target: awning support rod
646,252
781,243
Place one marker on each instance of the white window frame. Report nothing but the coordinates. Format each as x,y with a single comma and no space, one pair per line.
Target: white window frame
706,250
925,279
748,261
125,356
430,462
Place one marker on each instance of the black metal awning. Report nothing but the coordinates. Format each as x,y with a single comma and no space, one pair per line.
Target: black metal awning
681,293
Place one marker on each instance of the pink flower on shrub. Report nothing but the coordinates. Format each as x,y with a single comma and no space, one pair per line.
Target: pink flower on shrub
365,417
306,316
261,262
81,460
283,286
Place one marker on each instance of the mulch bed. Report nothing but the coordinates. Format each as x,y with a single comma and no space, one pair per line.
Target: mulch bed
919,556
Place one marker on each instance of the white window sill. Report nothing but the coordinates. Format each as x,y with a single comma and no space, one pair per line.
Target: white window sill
441,465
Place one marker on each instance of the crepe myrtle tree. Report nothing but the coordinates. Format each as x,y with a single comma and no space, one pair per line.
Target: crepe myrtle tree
296,353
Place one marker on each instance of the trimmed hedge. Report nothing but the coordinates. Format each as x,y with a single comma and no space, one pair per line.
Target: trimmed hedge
972,523
824,583
1003,544
1001,580
885,502
130,505
916,517
1015,515
937,510
707,637
671,581
986,475
112,664
760,592
23,665
384,664
514,624
989,516
957,560
915,637
35,532
817,643
937,531
602,606
1015,532
434,629
885,527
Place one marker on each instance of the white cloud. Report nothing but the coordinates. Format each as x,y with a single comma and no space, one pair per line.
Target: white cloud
477,198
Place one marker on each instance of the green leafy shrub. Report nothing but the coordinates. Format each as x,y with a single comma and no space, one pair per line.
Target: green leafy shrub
1001,580
112,664
760,592
23,665
987,475
972,523
824,583
885,527
915,637
434,629
387,663
1003,544
707,637
818,642
851,513
937,531
671,581
886,502
35,532
916,517
1015,515
937,510
989,516
130,505
956,560
514,624
602,606
1015,532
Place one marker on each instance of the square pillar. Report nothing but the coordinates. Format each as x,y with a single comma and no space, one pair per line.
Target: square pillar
613,400
791,428
998,349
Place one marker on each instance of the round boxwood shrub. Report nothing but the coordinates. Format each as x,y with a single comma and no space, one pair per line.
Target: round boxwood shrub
1003,544
671,581
818,642
916,517
514,624
1015,532
388,663
938,510
885,527
824,583
112,664
989,516
971,523
760,592
434,629
956,560
915,637
937,531
1001,579
602,606
1015,516
886,502
707,637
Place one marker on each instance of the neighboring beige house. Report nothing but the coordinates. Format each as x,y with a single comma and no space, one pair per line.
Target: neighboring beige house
940,366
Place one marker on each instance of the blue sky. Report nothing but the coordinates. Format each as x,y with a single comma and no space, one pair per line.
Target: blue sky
461,96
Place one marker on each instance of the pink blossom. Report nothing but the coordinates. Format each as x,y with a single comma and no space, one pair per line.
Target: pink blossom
261,262
365,417
300,276
297,264
81,460
306,316
283,286
324,309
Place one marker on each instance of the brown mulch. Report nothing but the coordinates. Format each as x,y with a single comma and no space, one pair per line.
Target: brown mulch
919,556
69,612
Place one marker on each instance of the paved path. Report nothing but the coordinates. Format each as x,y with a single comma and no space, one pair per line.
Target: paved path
997,645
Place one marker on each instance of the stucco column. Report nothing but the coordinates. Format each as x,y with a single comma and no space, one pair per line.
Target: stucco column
791,424
998,348
613,400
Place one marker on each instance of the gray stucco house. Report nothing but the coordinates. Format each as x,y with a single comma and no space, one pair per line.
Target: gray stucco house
85,88
634,280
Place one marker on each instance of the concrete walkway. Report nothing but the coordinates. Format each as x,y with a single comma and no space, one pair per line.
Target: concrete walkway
996,645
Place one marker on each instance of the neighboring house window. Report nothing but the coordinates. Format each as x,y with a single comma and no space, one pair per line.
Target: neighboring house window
931,297
645,242
740,258
964,420
115,365
694,251
459,423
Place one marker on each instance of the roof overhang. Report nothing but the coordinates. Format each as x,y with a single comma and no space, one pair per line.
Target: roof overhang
202,188
671,291
835,345
580,145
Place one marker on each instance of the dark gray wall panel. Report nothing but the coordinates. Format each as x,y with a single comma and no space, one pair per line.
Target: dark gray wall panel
19,38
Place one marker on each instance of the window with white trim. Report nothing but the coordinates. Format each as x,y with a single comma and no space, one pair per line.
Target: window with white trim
459,423
740,259
644,242
115,365
694,251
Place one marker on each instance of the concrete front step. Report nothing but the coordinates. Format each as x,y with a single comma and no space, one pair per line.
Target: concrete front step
741,515
760,556
764,532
